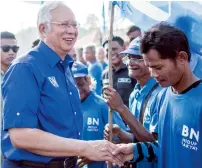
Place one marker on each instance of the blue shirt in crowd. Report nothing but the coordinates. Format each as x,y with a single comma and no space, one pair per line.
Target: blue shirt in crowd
95,71
39,92
180,129
150,118
95,117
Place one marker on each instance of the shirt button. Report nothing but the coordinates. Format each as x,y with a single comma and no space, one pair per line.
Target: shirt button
70,93
61,62
79,133
75,112
18,114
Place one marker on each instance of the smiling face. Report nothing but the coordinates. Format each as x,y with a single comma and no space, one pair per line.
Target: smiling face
167,72
137,69
116,49
63,30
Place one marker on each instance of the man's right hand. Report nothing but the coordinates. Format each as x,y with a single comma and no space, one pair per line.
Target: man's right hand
126,150
115,131
101,150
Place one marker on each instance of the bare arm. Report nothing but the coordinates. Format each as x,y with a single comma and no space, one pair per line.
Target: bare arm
46,144
115,102
141,134
43,143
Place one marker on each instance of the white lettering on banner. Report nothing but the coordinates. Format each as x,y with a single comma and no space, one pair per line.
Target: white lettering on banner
191,138
124,80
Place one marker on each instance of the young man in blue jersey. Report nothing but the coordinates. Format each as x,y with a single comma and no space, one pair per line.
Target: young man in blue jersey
166,52
142,102
94,110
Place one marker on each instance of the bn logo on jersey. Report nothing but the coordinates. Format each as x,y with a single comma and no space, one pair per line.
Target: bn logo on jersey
93,124
190,138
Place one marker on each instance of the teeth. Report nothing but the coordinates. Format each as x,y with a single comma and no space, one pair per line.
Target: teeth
68,39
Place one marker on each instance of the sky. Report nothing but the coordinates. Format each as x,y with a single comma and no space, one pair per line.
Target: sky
16,15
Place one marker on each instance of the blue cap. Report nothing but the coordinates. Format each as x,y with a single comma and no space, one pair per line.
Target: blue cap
134,47
79,69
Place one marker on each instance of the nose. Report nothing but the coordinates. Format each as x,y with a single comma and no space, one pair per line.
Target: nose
10,52
71,30
153,73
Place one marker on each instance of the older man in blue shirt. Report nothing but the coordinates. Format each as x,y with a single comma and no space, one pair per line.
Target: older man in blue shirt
42,116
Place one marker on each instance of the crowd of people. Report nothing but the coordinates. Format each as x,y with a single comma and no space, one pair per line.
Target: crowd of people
56,98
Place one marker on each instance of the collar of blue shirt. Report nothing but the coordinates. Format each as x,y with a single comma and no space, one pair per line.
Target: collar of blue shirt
52,57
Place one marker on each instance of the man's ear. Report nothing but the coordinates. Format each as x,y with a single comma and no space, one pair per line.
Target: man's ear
43,29
182,57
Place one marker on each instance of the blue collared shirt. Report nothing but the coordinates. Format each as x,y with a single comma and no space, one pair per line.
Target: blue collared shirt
39,92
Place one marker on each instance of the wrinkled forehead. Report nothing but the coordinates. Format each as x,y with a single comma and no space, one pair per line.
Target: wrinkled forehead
62,13
8,42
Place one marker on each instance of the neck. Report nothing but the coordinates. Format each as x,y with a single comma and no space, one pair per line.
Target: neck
4,67
60,53
92,60
117,67
187,80
143,80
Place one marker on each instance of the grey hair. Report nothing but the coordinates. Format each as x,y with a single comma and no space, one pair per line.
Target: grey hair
44,15
92,48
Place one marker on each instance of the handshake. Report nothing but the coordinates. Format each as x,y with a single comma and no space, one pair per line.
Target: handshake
103,150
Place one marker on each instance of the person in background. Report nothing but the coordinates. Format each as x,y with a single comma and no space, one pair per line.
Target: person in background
9,49
101,57
133,32
94,109
72,53
121,81
80,57
94,67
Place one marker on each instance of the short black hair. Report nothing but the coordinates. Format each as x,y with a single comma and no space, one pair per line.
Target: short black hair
7,35
132,29
115,38
35,43
167,40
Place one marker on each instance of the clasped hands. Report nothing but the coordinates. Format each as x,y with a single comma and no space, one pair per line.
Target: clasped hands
103,150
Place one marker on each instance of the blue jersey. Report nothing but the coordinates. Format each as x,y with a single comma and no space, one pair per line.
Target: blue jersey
95,117
104,65
95,71
180,129
196,65
150,118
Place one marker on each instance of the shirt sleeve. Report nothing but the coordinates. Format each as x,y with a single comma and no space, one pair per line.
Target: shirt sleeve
21,98
145,151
